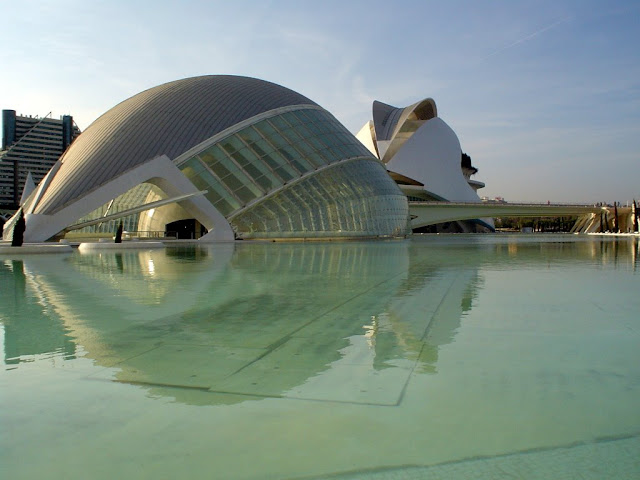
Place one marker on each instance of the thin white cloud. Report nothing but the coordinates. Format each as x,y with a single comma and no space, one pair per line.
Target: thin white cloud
525,38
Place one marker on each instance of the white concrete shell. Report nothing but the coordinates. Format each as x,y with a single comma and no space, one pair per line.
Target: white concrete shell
420,151
432,156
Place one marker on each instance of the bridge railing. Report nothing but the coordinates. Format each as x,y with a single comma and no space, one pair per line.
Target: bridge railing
520,203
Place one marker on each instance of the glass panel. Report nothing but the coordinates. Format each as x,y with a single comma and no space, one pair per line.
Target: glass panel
261,147
255,167
245,194
279,123
285,173
265,129
266,182
301,116
278,140
232,182
213,183
199,182
220,170
317,144
291,135
259,177
328,139
303,131
331,153
279,164
235,178
313,115
212,155
271,161
313,127
191,167
317,159
287,153
291,118
340,152
222,205
298,160
304,148
300,166
232,144
249,135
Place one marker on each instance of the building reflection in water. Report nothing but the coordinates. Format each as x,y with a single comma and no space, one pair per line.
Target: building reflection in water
32,329
345,322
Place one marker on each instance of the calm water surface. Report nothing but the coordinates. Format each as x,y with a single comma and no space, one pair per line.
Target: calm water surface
436,357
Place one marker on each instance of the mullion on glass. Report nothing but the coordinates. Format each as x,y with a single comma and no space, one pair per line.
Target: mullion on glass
281,166
232,144
249,135
219,188
203,179
265,129
212,155
291,119
279,123
312,204
304,209
239,175
255,169
291,135
296,159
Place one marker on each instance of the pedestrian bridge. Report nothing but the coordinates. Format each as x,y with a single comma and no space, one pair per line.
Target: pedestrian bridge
430,213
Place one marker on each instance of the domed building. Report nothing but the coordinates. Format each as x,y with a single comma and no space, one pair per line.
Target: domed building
218,158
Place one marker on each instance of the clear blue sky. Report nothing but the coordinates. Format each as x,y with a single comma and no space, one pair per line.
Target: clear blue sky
544,95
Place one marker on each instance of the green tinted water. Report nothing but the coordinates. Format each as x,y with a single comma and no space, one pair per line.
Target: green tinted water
436,357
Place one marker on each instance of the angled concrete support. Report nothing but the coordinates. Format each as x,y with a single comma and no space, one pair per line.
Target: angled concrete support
159,171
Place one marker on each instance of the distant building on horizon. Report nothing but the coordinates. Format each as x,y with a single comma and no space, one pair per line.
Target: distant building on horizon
30,144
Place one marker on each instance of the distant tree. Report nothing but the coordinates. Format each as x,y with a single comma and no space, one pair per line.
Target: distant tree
18,231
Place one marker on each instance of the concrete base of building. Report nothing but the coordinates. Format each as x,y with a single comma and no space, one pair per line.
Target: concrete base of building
7,251
95,246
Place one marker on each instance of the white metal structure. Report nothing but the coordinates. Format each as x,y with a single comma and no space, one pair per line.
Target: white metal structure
421,152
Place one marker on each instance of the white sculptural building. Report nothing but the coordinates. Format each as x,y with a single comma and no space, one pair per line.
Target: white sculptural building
423,155
229,157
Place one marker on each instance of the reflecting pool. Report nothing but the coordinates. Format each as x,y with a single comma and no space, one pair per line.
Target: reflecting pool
483,356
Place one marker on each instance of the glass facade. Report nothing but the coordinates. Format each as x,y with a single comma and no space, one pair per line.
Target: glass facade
351,199
338,188
138,195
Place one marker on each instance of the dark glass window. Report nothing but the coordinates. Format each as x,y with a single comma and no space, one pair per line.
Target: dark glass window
291,119
279,123
249,135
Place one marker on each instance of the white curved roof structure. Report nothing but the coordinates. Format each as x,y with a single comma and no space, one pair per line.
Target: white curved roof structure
165,120
431,155
393,126
421,152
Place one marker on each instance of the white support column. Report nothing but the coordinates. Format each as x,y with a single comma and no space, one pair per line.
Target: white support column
159,171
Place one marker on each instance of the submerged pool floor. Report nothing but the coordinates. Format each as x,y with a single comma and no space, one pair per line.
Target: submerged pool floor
437,357
607,458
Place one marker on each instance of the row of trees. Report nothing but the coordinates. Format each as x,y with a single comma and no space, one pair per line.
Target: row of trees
550,224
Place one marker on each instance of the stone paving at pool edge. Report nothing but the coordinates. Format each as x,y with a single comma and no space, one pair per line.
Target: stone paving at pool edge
606,459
